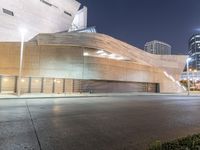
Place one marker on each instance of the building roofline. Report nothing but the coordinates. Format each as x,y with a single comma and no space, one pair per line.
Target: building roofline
159,42
193,36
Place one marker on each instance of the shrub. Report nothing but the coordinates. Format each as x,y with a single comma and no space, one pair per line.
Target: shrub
187,143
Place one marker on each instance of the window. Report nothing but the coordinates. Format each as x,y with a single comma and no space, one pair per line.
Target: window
67,13
45,2
8,12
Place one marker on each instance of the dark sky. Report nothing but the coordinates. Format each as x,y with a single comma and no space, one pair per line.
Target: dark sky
139,21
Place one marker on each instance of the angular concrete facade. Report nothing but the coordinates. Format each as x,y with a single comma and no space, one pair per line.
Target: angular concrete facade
76,60
37,16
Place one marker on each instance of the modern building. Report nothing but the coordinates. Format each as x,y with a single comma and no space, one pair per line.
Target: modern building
87,29
59,61
39,16
194,79
80,20
85,62
194,52
157,47
194,64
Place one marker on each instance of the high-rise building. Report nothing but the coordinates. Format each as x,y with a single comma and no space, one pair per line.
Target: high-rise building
158,47
194,51
193,73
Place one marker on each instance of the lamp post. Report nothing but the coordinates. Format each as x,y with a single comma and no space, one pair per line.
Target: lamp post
188,78
23,33
194,76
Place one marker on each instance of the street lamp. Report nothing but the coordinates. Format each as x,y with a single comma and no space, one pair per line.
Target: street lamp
194,78
188,79
23,32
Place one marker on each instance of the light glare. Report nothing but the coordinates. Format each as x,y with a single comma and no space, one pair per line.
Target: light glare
23,31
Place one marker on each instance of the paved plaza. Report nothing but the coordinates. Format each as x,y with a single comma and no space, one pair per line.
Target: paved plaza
96,123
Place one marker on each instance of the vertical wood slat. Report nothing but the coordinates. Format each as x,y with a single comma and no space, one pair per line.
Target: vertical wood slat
97,86
53,86
42,85
29,85
64,86
16,84
0,83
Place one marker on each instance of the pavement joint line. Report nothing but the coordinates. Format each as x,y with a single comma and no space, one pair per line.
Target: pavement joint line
71,116
22,120
33,126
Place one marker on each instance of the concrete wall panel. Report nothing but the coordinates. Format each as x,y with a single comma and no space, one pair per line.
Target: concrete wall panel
47,58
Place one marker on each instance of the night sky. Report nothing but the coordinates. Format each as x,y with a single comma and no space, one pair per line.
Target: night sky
139,21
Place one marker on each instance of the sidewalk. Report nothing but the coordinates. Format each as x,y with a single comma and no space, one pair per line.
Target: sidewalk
77,95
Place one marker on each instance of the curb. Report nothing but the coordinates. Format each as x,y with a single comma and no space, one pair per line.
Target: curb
85,96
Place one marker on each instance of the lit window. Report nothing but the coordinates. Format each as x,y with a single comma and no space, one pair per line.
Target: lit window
86,54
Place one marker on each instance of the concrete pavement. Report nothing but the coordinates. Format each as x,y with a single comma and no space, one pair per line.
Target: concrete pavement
96,123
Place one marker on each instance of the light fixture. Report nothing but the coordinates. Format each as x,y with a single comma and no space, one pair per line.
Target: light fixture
86,54
100,52
166,74
119,58
172,78
177,82
188,80
104,54
5,79
112,56
189,59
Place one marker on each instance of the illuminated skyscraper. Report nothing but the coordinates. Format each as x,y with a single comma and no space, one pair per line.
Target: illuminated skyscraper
194,51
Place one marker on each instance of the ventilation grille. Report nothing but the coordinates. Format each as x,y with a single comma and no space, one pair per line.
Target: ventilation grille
8,12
